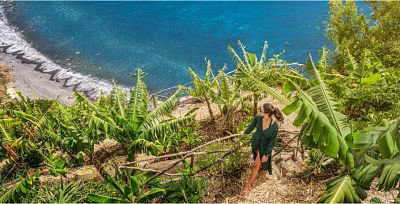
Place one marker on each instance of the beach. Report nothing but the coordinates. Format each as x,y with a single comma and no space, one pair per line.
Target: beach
33,84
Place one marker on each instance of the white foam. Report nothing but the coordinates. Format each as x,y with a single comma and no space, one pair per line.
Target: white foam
9,35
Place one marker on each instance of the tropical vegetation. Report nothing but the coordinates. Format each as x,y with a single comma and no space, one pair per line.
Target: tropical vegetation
346,106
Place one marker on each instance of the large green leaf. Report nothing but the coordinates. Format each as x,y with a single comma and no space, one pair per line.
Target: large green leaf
322,96
148,197
365,174
387,137
163,110
135,186
341,190
20,191
138,104
390,177
350,63
105,199
317,131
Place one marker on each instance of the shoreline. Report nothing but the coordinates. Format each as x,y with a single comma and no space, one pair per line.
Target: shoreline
36,76
33,84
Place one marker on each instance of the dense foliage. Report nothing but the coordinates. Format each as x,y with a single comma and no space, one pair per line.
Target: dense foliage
347,106
350,28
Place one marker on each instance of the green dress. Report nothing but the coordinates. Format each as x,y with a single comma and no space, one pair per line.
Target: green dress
263,140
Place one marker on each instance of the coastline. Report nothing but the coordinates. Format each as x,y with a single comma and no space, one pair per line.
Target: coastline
31,83
36,76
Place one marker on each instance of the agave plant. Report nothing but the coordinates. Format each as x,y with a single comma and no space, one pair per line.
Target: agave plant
203,89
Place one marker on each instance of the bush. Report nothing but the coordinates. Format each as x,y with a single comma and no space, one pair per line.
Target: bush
351,29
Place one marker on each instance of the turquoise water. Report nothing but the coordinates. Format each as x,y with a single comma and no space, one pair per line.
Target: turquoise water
108,40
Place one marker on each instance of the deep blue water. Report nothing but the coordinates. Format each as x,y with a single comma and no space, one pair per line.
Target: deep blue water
164,38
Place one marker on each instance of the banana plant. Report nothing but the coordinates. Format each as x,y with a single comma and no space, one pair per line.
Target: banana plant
203,89
129,193
262,69
384,163
323,126
21,126
367,71
21,190
129,120
227,97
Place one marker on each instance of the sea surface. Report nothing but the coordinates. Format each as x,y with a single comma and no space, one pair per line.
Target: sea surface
108,40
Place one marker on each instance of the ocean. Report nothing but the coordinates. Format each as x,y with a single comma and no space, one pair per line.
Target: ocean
107,40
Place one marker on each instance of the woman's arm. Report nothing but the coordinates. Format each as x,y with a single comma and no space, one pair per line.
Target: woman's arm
251,126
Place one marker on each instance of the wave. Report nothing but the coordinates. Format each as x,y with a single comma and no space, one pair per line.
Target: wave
13,42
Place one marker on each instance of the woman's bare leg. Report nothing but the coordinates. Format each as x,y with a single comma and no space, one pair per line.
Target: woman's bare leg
254,171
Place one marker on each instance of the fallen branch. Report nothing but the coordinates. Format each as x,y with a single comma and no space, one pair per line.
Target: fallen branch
148,170
286,144
220,159
186,152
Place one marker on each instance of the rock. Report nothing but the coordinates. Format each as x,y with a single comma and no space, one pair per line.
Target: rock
188,100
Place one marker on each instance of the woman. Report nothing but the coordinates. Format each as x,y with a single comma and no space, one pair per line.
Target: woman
263,141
